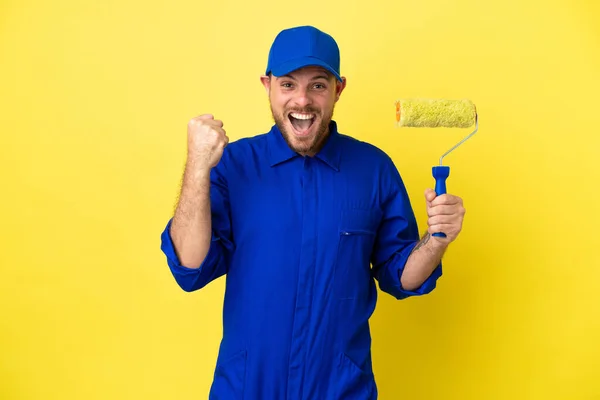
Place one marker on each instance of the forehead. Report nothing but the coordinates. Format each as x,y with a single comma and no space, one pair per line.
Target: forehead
310,72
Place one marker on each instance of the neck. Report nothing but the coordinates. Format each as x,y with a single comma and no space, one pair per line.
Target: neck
318,146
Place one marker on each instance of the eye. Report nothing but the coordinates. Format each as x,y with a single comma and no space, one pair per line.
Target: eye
319,86
286,85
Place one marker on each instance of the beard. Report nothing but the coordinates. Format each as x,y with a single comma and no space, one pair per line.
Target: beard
309,145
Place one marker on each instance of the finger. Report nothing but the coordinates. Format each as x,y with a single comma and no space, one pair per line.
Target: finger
446,199
429,195
441,219
444,228
444,219
216,123
442,210
200,119
222,137
212,129
220,131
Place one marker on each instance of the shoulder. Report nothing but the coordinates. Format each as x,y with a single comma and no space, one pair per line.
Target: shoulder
366,158
242,150
356,150
247,144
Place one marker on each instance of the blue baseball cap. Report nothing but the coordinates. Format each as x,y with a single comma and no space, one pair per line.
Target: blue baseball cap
303,46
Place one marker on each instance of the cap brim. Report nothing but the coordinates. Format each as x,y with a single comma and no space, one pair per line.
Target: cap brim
302,62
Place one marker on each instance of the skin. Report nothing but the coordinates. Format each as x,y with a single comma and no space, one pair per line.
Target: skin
446,214
191,226
311,91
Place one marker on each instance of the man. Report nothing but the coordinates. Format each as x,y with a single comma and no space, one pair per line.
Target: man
302,220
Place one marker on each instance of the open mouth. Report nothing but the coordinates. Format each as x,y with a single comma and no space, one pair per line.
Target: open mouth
301,122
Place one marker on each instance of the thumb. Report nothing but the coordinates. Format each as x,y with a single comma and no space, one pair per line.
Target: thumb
430,195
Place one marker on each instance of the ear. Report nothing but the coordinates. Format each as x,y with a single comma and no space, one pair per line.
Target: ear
266,81
340,86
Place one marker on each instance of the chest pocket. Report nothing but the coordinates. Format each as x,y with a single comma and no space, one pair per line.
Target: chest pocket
357,231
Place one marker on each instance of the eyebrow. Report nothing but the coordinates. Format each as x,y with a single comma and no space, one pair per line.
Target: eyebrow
325,77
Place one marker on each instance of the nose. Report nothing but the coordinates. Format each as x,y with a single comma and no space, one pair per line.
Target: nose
302,98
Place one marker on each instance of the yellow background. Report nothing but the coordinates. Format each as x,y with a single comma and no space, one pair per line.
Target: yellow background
94,101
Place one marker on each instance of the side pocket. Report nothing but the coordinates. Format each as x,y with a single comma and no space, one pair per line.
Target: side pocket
353,383
229,379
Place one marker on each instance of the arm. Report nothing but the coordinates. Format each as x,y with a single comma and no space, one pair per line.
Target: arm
404,265
214,263
197,240
191,228
398,240
446,215
423,260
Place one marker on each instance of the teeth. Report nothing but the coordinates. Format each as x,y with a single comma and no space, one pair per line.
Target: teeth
302,116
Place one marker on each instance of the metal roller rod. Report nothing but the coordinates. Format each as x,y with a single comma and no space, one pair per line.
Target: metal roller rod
462,141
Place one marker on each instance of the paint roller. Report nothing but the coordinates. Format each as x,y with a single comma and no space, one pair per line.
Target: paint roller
438,113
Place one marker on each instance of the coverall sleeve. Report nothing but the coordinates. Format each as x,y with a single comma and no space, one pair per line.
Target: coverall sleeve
397,235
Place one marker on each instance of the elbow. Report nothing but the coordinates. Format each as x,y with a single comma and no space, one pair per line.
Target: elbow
409,281
188,279
187,286
191,259
192,275
410,285
191,262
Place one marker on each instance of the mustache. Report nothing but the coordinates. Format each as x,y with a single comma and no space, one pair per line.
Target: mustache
305,110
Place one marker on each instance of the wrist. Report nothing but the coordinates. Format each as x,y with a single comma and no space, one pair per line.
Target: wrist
438,243
195,182
197,171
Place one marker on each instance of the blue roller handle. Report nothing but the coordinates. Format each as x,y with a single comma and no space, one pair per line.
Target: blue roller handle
440,173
